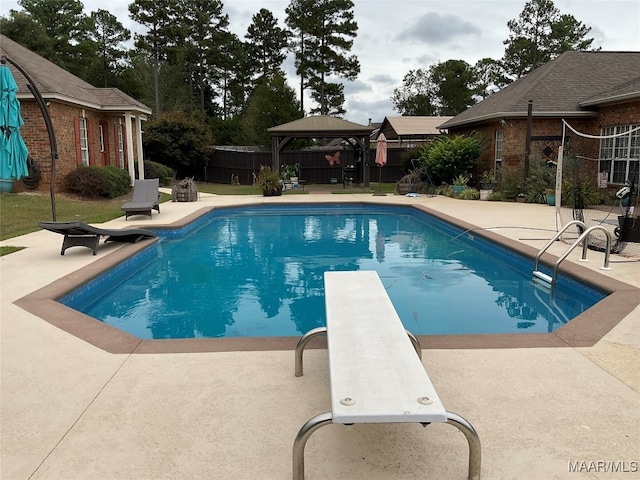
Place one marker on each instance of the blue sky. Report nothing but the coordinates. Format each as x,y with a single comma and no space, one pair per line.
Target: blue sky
396,36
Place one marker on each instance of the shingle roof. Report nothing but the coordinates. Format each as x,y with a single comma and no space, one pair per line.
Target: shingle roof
321,126
395,127
560,87
55,83
626,91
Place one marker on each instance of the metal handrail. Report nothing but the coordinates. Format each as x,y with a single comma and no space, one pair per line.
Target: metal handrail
582,238
562,230
585,244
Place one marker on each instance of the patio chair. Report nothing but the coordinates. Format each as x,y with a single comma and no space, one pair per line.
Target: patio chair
146,198
78,234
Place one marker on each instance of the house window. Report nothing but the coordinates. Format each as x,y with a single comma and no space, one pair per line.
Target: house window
620,152
101,130
84,141
498,157
120,146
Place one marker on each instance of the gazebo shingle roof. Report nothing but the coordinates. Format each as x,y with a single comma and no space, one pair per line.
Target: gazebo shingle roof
320,126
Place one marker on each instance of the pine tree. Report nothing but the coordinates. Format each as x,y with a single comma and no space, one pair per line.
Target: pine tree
265,44
67,26
540,34
323,33
108,34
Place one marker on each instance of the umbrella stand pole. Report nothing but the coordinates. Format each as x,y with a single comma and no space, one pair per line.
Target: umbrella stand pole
379,192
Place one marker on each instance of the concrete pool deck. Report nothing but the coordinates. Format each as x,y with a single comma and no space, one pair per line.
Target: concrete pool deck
70,410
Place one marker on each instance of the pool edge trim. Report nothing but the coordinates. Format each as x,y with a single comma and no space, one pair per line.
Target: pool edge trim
583,331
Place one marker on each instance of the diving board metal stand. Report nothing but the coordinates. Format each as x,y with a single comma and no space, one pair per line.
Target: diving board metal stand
375,374
583,238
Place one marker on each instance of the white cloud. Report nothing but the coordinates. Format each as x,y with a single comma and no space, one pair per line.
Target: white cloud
396,36
435,28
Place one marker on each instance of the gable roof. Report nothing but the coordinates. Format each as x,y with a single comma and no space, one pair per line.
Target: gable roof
320,126
55,83
560,87
411,126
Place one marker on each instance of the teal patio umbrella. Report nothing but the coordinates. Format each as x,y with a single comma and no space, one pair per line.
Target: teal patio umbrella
13,151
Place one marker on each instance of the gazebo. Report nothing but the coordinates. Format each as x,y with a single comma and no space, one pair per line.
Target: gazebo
323,126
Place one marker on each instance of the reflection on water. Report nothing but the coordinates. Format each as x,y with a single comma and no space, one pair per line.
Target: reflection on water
262,275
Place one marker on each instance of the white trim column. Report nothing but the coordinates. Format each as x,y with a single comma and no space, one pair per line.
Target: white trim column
139,145
129,141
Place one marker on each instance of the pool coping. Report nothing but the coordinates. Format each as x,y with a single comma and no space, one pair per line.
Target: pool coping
583,331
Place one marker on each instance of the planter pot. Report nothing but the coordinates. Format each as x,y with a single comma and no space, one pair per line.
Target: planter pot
485,193
404,188
457,189
6,186
276,192
551,199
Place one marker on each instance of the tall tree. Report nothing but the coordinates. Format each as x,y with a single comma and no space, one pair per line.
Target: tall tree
202,32
490,76
67,27
266,44
21,27
155,15
108,34
456,85
323,36
540,34
272,103
416,96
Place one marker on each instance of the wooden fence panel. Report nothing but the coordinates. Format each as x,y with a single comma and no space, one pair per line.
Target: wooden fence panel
314,168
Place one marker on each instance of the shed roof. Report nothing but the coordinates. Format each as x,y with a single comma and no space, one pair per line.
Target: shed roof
320,126
55,83
559,88
395,127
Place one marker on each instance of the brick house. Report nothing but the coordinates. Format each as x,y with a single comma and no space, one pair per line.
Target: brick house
597,93
93,126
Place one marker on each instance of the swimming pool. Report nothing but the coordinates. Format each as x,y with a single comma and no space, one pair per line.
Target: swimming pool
257,272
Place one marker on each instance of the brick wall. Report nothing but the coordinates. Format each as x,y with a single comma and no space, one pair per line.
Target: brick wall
64,118
546,137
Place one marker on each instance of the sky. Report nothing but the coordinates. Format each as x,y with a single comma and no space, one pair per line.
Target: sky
397,36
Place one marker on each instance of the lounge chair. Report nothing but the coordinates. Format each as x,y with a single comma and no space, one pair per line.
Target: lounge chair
145,198
78,234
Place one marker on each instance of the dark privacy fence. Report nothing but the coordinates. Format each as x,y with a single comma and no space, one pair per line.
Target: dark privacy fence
314,168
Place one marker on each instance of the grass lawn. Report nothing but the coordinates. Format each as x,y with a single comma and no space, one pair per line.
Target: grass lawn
20,212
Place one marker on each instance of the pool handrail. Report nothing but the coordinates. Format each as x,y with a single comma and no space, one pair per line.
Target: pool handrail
582,238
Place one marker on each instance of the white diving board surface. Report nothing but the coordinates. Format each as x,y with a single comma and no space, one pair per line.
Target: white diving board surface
375,367
375,373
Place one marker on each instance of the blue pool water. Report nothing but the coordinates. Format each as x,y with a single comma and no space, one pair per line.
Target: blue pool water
258,271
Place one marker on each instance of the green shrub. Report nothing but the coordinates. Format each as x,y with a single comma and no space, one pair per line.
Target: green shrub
496,197
159,171
86,182
542,177
451,156
109,182
469,194
118,181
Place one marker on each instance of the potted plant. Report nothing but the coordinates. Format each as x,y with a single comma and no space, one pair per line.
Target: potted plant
269,181
460,183
486,184
540,184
